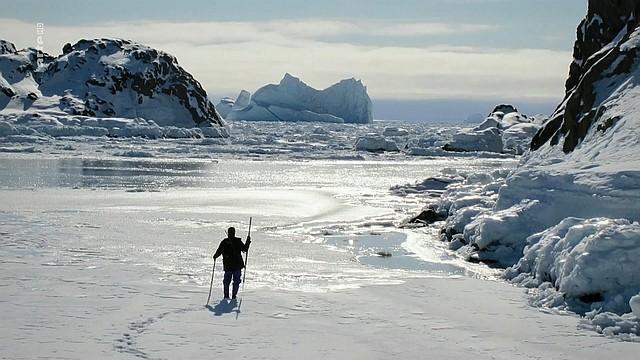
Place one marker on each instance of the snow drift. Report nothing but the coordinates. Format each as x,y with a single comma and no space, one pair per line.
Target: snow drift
101,78
293,100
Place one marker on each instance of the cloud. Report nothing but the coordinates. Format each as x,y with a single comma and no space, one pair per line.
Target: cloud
228,56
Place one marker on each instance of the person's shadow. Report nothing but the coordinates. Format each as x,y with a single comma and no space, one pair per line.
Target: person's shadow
223,307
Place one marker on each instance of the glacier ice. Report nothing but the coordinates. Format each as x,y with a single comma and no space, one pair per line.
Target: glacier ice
293,100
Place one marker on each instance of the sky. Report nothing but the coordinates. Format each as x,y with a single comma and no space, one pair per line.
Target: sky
437,60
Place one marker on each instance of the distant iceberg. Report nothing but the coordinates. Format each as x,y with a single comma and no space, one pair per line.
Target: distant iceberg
292,100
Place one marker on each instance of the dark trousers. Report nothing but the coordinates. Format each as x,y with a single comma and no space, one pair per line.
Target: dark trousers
237,279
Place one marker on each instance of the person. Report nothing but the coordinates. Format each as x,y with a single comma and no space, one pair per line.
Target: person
231,249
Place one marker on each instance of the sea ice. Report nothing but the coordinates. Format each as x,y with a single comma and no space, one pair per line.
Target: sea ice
376,143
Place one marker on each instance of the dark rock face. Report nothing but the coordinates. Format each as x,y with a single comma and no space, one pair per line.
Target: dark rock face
504,108
604,21
598,57
428,216
7,47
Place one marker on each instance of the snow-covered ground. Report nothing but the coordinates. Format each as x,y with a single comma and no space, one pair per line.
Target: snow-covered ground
106,243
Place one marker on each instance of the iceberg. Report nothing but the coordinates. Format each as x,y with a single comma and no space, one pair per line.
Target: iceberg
293,100
224,106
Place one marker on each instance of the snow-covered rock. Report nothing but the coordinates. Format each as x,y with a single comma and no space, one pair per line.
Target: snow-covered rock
504,109
505,130
566,219
375,143
293,100
102,78
489,123
7,47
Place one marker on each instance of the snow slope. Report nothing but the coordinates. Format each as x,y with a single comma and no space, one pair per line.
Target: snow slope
293,100
97,79
566,219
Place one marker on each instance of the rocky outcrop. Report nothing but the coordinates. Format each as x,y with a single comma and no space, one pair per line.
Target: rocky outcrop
108,78
505,130
7,47
604,53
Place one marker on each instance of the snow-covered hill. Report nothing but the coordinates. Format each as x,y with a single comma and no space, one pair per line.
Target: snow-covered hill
566,220
100,79
293,100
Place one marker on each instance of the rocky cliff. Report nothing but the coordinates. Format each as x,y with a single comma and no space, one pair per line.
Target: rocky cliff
605,55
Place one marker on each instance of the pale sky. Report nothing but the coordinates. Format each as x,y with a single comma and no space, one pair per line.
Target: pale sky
430,59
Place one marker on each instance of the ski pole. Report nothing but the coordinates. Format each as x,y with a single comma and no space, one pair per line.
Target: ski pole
246,257
213,270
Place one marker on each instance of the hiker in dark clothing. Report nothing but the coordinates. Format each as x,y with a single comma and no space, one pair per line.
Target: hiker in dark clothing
231,250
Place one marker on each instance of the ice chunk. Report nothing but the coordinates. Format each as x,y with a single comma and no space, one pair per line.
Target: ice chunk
395,131
634,303
469,140
490,122
375,143
224,106
242,101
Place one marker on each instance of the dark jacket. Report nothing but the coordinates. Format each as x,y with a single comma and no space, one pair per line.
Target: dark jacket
231,251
